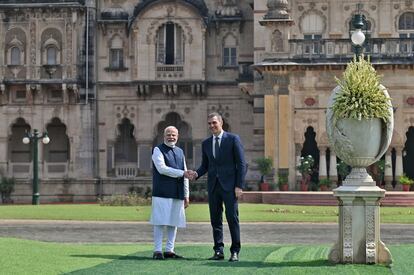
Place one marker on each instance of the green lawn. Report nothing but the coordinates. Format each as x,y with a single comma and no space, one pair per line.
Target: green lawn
195,213
33,257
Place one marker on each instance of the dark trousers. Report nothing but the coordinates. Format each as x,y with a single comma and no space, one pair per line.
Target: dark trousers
215,201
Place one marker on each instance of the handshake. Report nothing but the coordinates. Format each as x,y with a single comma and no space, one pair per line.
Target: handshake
190,174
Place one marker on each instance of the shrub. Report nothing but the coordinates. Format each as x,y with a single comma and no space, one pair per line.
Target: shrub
129,199
361,94
265,165
6,188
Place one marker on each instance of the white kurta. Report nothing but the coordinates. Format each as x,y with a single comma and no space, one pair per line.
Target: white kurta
166,211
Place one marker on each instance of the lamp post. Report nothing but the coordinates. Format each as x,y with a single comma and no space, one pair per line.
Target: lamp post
358,36
34,137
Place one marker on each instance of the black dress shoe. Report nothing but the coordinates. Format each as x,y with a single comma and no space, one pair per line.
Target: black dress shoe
172,255
217,256
157,256
234,257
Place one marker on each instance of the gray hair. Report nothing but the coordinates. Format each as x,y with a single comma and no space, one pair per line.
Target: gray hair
170,127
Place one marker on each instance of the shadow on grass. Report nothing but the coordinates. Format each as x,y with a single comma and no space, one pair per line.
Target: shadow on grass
257,264
133,258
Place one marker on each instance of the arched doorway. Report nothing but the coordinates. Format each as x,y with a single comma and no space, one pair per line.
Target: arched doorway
408,153
56,153
20,154
185,140
126,150
310,147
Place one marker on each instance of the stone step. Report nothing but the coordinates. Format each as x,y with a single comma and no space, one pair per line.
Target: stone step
392,198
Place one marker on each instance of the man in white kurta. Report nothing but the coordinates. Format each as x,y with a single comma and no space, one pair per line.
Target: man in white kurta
168,212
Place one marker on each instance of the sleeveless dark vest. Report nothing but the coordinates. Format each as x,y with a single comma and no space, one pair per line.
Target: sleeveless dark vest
164,186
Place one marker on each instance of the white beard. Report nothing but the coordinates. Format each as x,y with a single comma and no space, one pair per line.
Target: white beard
170,144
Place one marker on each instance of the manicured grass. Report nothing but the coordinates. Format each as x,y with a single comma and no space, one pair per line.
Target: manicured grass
195,213
33,257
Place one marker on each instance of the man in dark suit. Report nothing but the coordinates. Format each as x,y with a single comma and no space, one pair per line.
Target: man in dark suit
223,161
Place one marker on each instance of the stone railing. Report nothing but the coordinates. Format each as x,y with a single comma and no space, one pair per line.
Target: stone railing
125,171
342,48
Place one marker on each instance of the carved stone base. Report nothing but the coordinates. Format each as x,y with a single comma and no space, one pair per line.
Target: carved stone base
359,222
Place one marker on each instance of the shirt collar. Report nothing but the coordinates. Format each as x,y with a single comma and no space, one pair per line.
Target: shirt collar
219,136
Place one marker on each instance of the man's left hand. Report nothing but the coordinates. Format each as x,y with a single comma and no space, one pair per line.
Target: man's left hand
186,202
238,191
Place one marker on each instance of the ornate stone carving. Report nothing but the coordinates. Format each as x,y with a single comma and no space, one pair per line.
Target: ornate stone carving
228,8
69,62
277,9
347,232
33,48
370,233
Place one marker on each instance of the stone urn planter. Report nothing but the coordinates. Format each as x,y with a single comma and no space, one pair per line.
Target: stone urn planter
358,142
359,125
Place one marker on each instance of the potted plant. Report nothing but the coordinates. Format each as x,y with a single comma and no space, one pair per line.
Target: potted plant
283,182
359,118
406,182
324,184
305,168
6,188
265,166
343,171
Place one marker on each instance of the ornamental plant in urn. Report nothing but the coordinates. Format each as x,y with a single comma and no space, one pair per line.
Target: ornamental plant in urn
359,119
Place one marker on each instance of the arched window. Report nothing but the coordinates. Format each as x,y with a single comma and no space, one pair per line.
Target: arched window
406,31
170,44
277,41
312,27
15,56
406,21
116,53
229,51
51,55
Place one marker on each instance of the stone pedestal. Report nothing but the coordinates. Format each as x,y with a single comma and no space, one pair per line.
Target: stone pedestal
359,221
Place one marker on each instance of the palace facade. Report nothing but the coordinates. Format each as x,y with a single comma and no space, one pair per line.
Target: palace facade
104,78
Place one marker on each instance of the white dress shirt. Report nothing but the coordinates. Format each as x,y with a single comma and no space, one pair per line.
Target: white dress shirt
219,142
168,211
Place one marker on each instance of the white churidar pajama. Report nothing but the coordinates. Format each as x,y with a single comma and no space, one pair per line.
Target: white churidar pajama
167,212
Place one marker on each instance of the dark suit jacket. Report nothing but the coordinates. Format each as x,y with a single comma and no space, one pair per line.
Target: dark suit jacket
229,167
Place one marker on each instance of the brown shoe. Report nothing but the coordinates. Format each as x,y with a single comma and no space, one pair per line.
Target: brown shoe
157,256
172,255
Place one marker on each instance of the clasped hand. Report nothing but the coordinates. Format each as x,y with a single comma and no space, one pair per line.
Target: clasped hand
190,174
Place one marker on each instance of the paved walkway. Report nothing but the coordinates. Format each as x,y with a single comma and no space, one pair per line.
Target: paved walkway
131,232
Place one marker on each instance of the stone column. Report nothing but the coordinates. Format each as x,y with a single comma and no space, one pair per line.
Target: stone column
359,221
322,163
333,173
298,149
388,170
398,163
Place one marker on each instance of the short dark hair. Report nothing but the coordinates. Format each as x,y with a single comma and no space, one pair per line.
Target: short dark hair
215,114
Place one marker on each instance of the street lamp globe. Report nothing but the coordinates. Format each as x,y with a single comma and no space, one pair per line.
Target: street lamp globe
358,37
46,140
26,140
